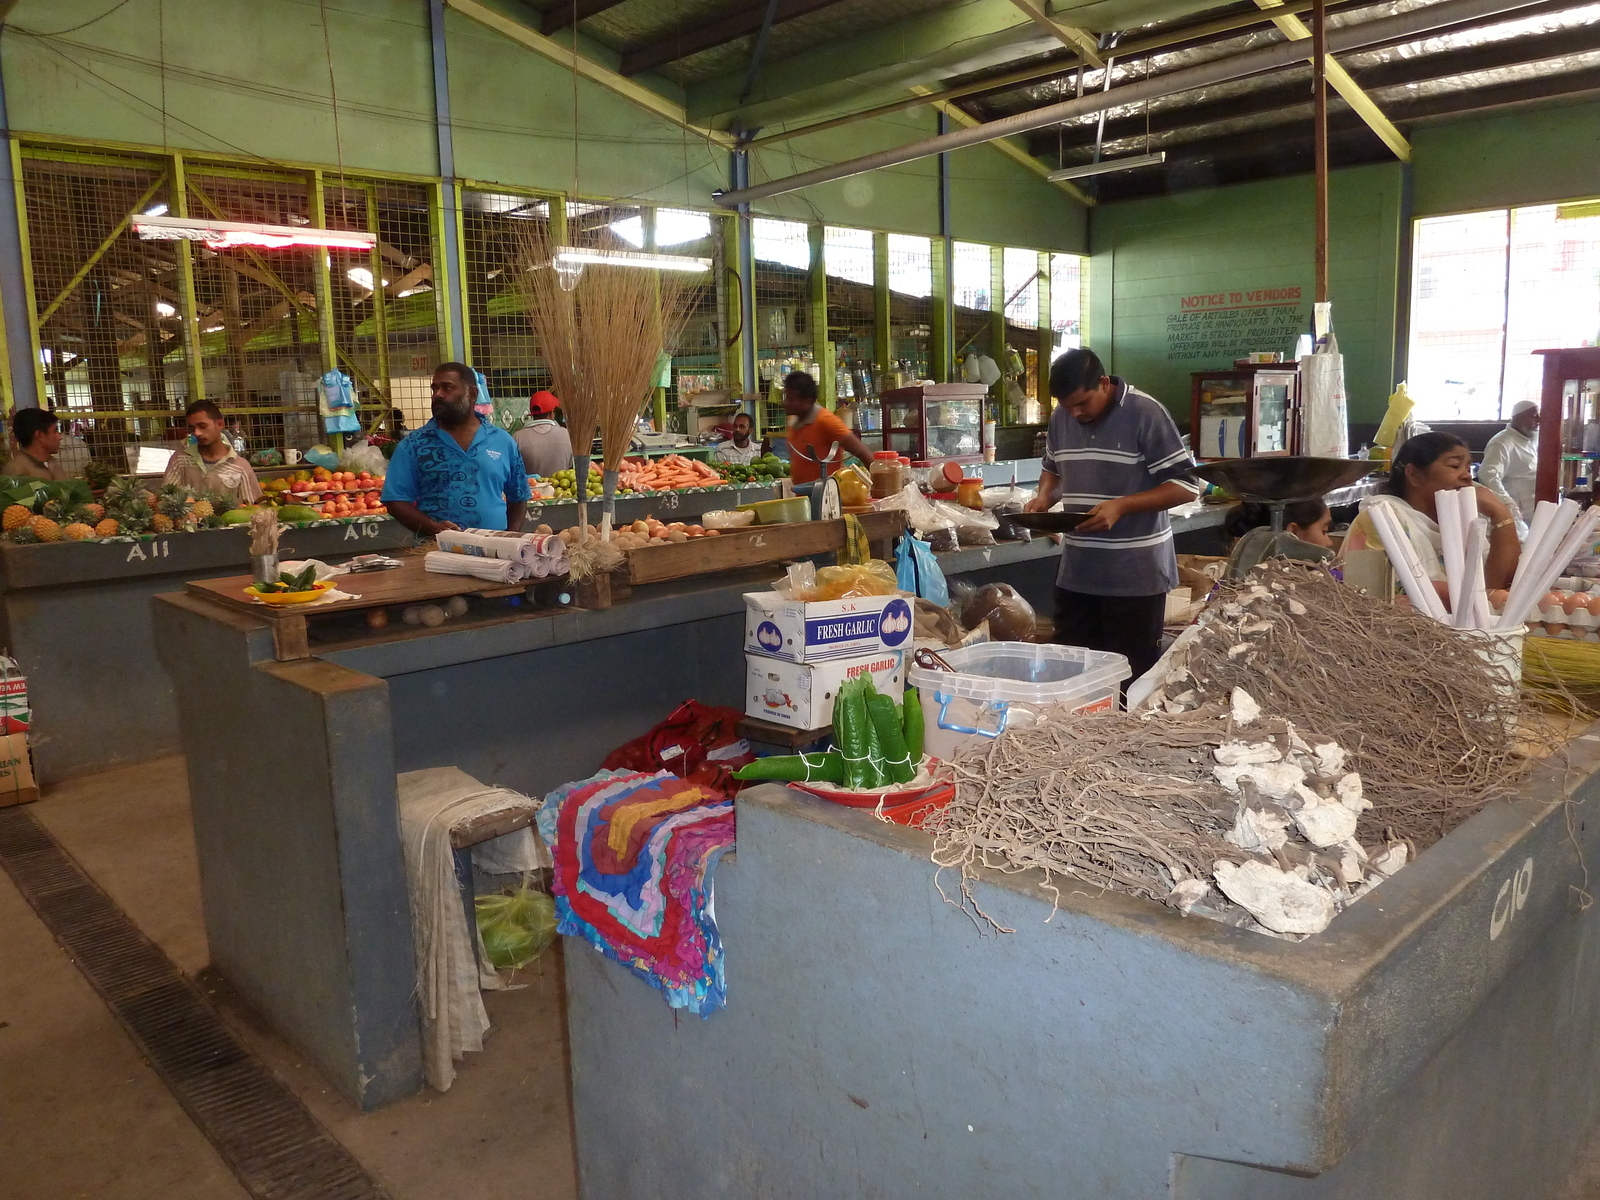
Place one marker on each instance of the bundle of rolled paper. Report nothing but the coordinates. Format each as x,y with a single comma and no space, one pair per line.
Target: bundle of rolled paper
501,557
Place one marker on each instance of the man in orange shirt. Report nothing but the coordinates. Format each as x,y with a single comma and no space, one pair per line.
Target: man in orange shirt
813,429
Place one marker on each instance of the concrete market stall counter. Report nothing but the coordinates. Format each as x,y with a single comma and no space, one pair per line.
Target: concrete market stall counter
76,617
1439,1040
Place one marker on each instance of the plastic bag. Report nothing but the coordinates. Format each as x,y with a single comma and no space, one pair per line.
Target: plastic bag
1010,617
919,572
872,578
517,927
364,458
699,743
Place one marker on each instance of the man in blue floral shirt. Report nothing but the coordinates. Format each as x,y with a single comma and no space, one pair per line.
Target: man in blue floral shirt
457,471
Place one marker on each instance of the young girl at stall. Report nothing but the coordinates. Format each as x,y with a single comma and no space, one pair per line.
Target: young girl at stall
1423,467
1308,520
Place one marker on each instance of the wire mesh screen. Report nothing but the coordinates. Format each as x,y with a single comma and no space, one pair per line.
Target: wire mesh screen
847,259
1068,277
783,307
910,305
260,336
1554,291
971,282
385,315
503,344
1458,315
106,302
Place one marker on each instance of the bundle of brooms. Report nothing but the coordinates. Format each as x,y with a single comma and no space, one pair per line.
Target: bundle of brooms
602,338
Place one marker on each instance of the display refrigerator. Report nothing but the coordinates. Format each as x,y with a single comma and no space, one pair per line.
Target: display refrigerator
936,421
1246,411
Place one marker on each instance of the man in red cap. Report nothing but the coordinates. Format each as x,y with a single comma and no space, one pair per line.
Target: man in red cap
544,443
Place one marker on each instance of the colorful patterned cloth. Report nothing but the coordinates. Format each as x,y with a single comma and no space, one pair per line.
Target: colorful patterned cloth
634,855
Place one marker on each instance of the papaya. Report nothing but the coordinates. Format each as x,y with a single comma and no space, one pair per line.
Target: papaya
239,516
290,513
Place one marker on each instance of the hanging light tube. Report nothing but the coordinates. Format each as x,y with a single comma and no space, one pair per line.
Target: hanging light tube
220,235
570,256
1107,166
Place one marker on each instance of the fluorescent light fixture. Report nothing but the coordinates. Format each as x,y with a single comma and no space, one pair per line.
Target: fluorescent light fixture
156,210
1106,167
569,256
164,309
220,235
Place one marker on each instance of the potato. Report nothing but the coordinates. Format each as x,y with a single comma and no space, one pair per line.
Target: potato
658,541
677,535
543,529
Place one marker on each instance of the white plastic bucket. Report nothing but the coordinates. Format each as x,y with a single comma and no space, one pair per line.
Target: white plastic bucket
1003,685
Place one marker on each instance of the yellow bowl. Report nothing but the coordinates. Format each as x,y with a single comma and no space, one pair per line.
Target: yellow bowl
290,597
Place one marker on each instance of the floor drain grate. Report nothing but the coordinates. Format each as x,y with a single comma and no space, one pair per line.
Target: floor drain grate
276,1147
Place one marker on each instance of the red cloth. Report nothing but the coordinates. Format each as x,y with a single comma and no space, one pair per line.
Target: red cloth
699,743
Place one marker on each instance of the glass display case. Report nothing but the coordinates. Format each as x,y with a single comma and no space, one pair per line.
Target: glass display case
936,420
1246,412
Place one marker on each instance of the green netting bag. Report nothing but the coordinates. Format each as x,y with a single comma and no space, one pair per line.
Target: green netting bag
516,927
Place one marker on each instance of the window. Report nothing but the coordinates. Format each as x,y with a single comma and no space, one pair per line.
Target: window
1490,288
1067,277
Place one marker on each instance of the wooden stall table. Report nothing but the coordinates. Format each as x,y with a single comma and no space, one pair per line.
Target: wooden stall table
409,583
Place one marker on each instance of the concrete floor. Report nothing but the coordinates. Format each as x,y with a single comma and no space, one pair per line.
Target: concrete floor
81,1115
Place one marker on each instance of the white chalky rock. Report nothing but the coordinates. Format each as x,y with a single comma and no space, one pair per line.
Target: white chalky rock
1277,780
1259,829
1350,859
1348,792
1326,824
1240,649
1187,894
1257,626
1297,608
1281,901
1390,861
1244,707
1330,758
1231,754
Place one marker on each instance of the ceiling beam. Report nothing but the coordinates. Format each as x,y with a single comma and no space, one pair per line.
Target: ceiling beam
569,12
729,27
1014,152
1070,36
1296,30
568,58
1289,95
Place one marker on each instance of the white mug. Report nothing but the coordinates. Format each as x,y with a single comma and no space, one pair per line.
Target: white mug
291,456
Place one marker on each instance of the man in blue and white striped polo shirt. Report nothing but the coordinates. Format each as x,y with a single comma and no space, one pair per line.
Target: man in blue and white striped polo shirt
1114,452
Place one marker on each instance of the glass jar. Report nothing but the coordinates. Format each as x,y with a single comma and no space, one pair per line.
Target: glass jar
888,476
969,493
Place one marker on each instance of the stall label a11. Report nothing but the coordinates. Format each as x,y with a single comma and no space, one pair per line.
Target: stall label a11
801,631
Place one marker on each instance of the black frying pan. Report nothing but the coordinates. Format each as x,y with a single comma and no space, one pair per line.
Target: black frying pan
1048,522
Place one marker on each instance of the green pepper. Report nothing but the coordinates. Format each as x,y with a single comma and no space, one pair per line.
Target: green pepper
792,768
875,760
850,724
896,763
912,724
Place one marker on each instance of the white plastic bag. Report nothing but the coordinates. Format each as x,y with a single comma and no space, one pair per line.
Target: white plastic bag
1327,430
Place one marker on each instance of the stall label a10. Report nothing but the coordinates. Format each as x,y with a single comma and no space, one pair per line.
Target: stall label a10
824,629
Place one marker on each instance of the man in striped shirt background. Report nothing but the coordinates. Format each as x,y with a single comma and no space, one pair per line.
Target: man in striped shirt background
1115,453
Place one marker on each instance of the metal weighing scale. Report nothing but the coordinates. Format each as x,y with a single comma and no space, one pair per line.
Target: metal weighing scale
1277,483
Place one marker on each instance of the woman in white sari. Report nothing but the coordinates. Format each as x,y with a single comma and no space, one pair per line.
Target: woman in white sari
1424,466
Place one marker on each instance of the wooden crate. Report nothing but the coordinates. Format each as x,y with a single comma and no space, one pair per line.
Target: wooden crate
731,551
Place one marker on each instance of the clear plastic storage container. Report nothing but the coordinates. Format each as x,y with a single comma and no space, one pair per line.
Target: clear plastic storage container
1003,685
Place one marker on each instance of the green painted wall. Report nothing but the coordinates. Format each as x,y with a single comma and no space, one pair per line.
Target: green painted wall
251,77
1185,283
1523,157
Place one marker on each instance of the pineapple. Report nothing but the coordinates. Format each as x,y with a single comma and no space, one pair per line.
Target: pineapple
107,528
161,523
23,535
53,510
136,517
122,492
15,517
77,531
45,529
94,513
172,509
203,510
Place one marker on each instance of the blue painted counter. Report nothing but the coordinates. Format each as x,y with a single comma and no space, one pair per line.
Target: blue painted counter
1440,1041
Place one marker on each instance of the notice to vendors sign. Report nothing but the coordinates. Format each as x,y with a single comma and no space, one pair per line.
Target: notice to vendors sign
1230,324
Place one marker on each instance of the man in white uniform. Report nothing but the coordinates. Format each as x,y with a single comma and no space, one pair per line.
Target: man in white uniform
1511,460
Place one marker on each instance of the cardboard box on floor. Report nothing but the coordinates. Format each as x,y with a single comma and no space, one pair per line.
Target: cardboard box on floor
16,771
1197,575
